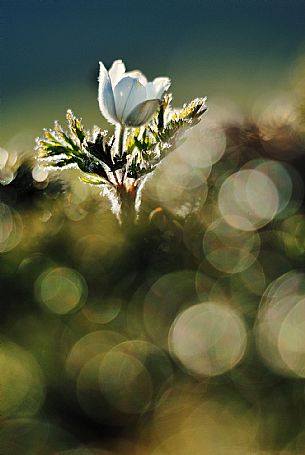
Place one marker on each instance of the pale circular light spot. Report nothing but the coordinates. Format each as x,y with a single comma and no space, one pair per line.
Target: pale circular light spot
204,145
280,325
208,339
280,176
61,290
40,174
230,249
248,200
291,341
157,367
89,346
11,228
178,184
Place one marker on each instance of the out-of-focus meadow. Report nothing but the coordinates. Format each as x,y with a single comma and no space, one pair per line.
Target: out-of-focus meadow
185,334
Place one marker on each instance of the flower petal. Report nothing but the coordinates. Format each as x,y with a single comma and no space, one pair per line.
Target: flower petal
105,96
127,94
116,72
156,88
142,113
137,74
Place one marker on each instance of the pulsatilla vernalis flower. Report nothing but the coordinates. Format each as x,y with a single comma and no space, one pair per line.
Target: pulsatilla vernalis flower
127,98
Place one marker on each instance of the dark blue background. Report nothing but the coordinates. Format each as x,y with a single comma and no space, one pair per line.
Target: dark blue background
221,47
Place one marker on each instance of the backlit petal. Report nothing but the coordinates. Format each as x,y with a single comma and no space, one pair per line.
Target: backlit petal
116,72
157,88
105,96
128,93
142,113
136,74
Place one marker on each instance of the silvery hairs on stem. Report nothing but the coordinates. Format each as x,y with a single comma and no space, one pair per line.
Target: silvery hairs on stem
147,128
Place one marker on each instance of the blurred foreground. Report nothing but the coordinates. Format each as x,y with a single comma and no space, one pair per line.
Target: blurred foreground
186,334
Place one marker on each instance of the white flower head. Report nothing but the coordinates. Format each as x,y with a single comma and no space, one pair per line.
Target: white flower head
127,98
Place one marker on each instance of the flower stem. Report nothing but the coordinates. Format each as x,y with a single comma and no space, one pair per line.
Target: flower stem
121,141
128,212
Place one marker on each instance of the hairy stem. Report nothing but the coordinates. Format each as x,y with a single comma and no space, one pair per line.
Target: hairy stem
126,195
127,198
121,141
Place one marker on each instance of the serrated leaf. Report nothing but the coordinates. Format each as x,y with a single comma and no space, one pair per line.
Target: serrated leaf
75,126
53,150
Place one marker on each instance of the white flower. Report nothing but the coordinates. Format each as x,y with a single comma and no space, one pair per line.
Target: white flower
127,98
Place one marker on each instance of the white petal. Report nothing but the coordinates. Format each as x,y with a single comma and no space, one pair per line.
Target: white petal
157,88
142,113
136,74
127,94
116,72
105,96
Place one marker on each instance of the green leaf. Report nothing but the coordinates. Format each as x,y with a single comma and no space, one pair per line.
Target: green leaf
75,126
94,179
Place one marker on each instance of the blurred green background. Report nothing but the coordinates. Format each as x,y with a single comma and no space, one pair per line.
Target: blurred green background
185,333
